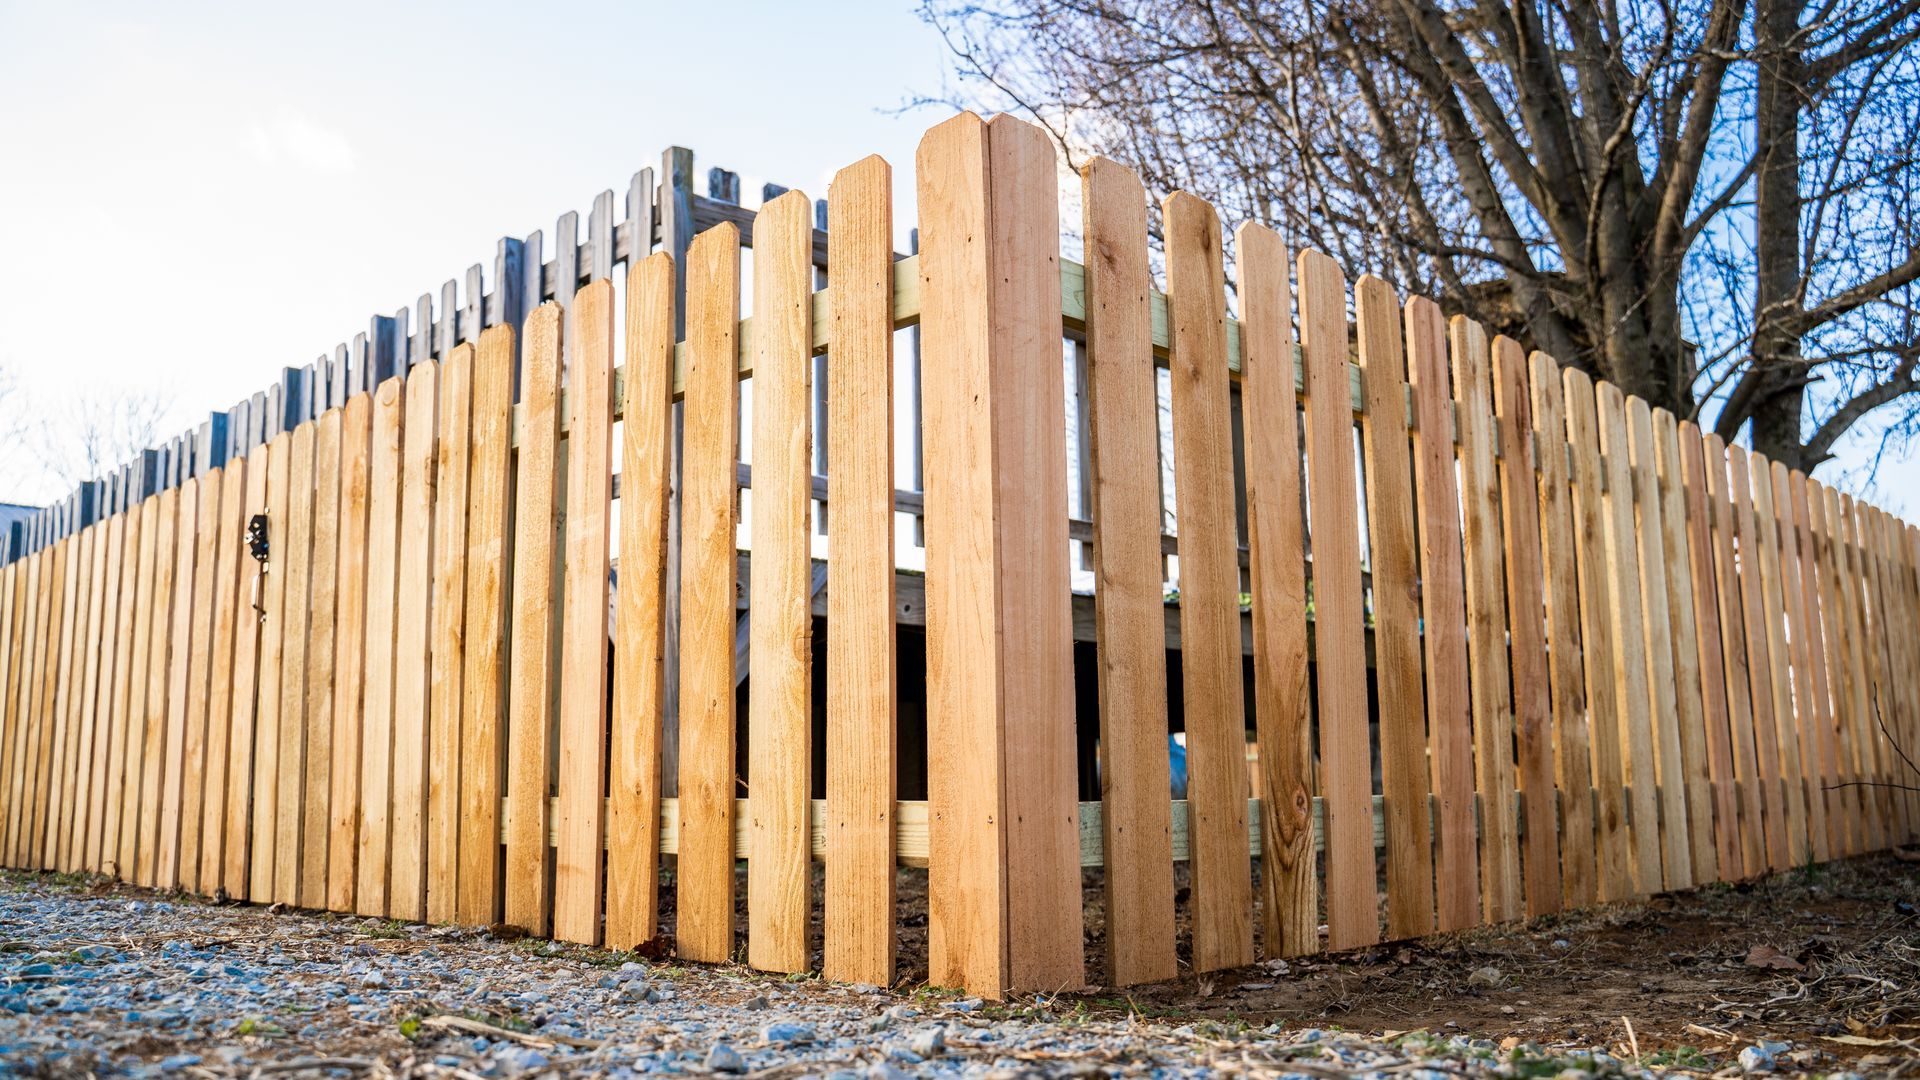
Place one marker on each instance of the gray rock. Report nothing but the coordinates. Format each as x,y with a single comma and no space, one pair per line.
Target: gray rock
787,1031
725,1059
929,1042
518,1059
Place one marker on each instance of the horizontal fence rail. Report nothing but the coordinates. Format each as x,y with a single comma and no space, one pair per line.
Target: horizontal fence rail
504,619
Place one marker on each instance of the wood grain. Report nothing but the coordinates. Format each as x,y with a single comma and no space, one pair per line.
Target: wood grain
1786,743
1591,544
1633,687
1525,571
1394,555
1759,669
639,675
385,470
236,864
483,683
293,562
1573,763
1818,741
1209,585
1443,616
349,652
1501,891
266,734
862,691
780,693
1689,685
179,658
1282,704
1753,837
1346,783
709,506
413,648
581,827
1676,849
323,601
1131,640
196,759
446,765
535,630
107,732
154,754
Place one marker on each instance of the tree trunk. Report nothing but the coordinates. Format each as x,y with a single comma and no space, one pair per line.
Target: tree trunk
1777,380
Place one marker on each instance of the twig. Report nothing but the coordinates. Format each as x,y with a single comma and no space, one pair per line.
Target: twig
1632,1040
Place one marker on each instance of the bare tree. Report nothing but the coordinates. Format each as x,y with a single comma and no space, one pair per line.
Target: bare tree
1710,202
92,433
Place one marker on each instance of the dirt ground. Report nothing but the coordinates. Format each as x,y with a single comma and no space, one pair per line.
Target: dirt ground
1827,956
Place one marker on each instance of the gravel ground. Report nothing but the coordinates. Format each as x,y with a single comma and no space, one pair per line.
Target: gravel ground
98,979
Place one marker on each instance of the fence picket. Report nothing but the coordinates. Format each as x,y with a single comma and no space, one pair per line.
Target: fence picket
1276,554
862,741
349,652
242,741
1209,588
65,718
1346,783
1573,761
1532,695
1127,597
581,784
451,561
293,560
231,617
1786,743
1845,807
529,858
1487,658
1443,615
20,809
1675,844
314,811
371,893
12,717
709,509
1633,688
1683,613
780,693
1394,562
1747,495
1803,777
640,675
483,686
112,549
1749,823
264,809
1816,730
1591,544
412,648
195,758
155,751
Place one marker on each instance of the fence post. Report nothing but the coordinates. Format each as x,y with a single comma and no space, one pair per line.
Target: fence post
1004,882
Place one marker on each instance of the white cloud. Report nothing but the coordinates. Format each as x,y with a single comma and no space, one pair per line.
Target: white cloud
296,140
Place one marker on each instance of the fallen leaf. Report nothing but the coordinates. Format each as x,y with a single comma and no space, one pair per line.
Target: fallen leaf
1857,1040
1766,956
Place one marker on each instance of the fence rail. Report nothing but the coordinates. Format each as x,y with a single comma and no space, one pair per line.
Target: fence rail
367,665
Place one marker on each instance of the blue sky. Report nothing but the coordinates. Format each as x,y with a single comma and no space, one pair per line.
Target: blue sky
197,194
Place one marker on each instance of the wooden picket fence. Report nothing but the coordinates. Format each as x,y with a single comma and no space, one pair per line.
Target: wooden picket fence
367,667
